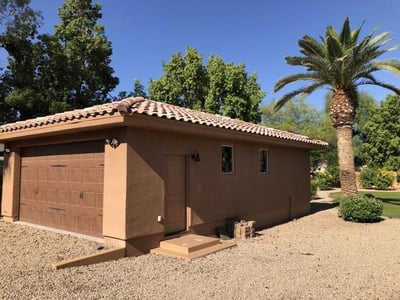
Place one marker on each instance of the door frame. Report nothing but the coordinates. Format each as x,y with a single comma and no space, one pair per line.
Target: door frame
187,209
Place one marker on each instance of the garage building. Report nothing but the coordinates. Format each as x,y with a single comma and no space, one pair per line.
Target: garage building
135,171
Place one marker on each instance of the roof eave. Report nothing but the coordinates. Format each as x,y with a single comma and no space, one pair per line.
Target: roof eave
77,125
163,124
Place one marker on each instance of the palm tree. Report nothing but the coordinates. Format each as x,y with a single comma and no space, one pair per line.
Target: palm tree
341,62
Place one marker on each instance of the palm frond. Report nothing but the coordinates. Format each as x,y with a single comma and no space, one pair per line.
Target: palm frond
373,81
381,37
334,48
312,63
391,65
345,34
309,46
315,76
356,33
341,61
304,91
395,47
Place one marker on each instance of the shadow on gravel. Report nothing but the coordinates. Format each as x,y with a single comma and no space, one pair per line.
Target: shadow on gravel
320,206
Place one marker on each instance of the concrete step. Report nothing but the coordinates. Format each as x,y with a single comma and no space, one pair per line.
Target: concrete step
191,246
188,243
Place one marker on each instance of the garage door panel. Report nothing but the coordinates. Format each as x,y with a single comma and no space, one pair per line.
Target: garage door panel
74,198
89,200
53,216
74,221
62,186
62,196
75,175
90,223
36,214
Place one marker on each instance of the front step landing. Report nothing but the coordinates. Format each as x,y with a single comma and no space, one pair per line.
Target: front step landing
191,246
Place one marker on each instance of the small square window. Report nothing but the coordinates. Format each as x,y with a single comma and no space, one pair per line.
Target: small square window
263,161
227,159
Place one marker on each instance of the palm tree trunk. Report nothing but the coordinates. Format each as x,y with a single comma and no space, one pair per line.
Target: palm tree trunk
347,171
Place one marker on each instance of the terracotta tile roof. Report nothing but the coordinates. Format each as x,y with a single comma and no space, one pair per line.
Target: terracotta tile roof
143,106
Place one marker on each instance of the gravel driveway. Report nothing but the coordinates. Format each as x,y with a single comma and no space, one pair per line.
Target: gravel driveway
316,257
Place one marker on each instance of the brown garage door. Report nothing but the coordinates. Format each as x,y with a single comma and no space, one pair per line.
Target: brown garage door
62,186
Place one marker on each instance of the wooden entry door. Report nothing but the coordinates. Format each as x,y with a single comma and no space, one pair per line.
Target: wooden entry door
175,194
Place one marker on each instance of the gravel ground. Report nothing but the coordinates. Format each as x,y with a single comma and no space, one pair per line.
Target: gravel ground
316,257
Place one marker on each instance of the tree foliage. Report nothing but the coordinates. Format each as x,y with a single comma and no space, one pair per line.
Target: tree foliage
299,117
89,77
138,91
365,111
216,87
381,147
296,116
16,14
51,73
18,38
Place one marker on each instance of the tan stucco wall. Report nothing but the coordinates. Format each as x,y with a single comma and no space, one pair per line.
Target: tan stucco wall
213,197
10,193
115,186
134,179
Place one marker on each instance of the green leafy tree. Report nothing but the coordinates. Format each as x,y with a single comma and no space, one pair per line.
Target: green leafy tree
20,81
183,82
7,113
88,78
52,73
18,15
381,148
341,61
217,87
231,91
138,89
365,111
297,116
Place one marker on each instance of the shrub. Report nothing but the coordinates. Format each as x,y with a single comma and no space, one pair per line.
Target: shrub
384,179
324,180
381,179
365,209
334,172
314,187
368,177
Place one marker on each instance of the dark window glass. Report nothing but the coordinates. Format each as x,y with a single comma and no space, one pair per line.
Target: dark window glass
263,161
227,159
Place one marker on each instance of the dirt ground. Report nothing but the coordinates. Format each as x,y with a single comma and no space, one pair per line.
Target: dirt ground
319,256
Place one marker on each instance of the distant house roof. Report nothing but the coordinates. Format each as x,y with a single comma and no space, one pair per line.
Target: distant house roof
139,105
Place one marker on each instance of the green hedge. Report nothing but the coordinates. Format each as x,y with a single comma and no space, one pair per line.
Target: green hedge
362,209
326,180
381,179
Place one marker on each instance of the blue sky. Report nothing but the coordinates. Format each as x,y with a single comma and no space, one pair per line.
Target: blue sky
258,33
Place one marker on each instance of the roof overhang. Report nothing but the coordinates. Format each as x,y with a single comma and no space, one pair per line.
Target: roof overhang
148,114
79,125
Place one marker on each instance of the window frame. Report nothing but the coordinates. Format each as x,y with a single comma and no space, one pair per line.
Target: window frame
232,160
261,157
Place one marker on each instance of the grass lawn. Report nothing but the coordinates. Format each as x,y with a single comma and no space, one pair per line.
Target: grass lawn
391,201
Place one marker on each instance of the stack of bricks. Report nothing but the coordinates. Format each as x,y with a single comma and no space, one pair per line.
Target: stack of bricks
244,229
